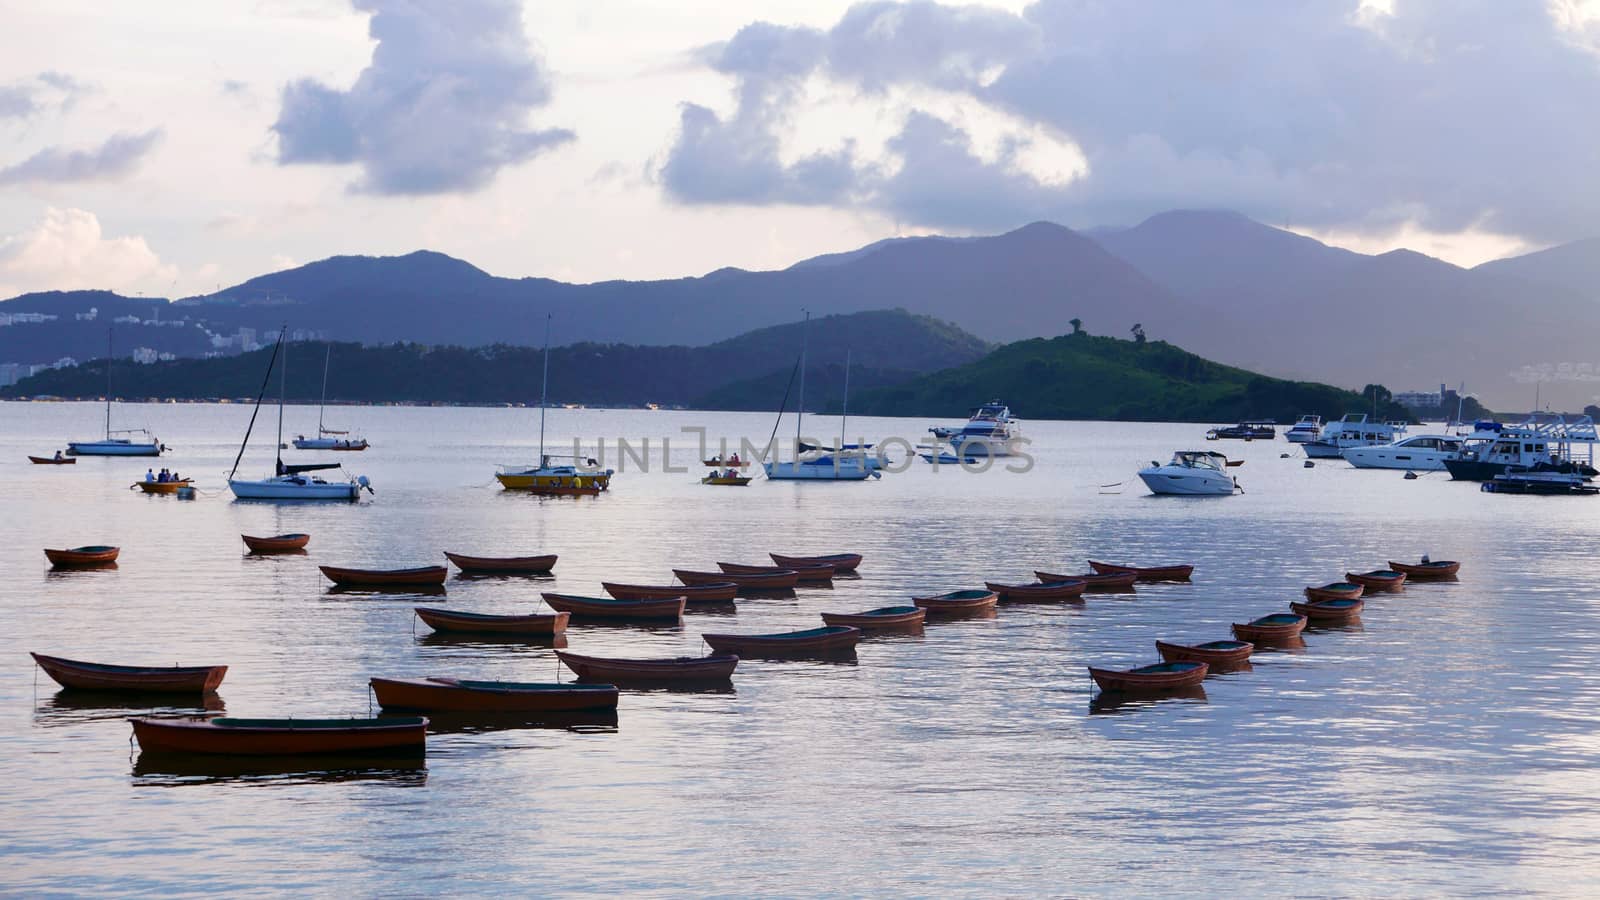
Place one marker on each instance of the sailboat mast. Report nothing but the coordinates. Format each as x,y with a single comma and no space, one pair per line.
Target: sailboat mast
800,408
108,384
844,415
324,405
544,390
283,390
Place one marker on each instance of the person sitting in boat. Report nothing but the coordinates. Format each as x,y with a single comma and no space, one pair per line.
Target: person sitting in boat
175,477
58,456
733,460
149,475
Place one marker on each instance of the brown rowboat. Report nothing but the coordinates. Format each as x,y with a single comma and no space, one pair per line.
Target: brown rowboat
1443,568
683,668
803,573
482,623
455,695
883,618
1115,581
50,461
283,543
1330,611
82,556
275,737
841,562
88,676
508,565
611,608
958,602
1053,590
718,592
1165,676
1270,629
1214,653
768,581
1339,590
1377,579
831,638
414,577
1147,573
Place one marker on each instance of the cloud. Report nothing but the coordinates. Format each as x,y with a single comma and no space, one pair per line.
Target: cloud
114,158
442,107
1360,116
68,250
43,91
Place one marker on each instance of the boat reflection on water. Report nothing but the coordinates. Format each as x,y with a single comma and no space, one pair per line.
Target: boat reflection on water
88,570
597,721
492,641
378,592
1348,626
73,707
1295,644
651,626
1117,703
181,769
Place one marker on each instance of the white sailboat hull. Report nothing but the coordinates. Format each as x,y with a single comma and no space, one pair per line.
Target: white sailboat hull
291,487
114,448
835,469
328,444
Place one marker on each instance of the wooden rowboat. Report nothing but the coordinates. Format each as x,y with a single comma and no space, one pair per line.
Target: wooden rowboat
830,638
162,487
50,461
1147,573
1052,590
506,565
88,676
957,602
1213,653
82,556
767,581
730,481
1443,568
1328,611
414,577
1377,579
1164,676
611,608
841,562
719,463
716,592
683,668
275,737
482,623
456,695
283,543
882,618
1270,629
1339,590
803,573
1115,581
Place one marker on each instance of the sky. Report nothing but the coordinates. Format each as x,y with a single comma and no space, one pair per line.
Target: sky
173,148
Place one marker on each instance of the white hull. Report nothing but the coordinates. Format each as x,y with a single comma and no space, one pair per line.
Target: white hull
1386,457
328,444
1186,482
1323,450
1299,437
113,448
288,487
981,446
838,469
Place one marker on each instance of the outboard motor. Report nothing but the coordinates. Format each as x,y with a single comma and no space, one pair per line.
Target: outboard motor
363,482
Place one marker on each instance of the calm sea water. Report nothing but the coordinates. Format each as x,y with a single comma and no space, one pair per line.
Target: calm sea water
1447,745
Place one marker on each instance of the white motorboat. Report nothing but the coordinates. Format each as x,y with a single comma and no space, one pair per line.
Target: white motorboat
1352,431
149,445
1191,473
1420,452
991,431
328,438
1544,442
850,462
1308,429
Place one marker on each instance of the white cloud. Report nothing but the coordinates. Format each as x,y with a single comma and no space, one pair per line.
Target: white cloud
68,250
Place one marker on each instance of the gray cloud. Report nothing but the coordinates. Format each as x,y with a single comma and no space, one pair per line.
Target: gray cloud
442,106
1453,115
114,158
43,91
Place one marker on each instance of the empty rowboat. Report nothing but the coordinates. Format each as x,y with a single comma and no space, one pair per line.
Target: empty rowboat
883,618
420,576
831,638
52,461
612,608
88,676
1115,581
767,581
1270,629
1377,579
1145,573
1051,590
504,565
457,695
1213,653
802,573
1329,611
841,562
282,543
716,592
82,556
481,623
1339,590
1166,676
1444,568
275,737
957,602
683,668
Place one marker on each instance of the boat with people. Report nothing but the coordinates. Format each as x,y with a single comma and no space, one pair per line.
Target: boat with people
1192,473
111,444
1354,430
582,477
732,461
727,478
1307,428
57,460
813,463
328,438
1419,452
275,737
991,430
1544,442
164,482
1250,430
88,676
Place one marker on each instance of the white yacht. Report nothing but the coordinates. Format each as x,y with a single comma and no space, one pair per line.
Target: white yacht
1420,452
1308,429
991,430
1352,431
1191,473
1544,442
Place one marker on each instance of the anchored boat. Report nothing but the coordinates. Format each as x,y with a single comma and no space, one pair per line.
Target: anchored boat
1352,431
274,737
88,676
1190,473
582,477
328,438
111,445
1307,429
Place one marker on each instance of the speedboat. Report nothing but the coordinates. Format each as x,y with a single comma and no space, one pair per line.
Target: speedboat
1244,431
1422,452
1192,473
1542,443
1352,431
1308,429
991,431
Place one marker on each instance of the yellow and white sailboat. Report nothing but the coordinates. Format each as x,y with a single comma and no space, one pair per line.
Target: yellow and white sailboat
580,477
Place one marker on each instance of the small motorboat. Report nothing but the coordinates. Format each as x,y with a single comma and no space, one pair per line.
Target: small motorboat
766,581
162,487
716,592
1145,573
841,562
806,573
459,695
727,480
1244,431
1443,568
1338,590
502,565
79,557
1330,611
1064,589
732,462
882,618
1115,581
282,543
88,676
482,623
53,460
1270,629
275,737
682,668
1190,473
1377,579
830,638
612,608
419,576
1166,676
1213,653
958,602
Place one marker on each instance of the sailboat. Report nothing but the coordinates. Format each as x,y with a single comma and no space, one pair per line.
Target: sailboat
291,482
844,464
548,477
327,438
116,446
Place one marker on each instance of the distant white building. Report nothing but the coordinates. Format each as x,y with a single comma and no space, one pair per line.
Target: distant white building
25,318
1420,399
145,355
126,320
90,316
